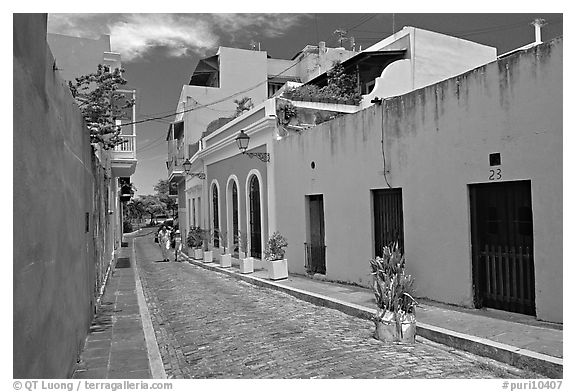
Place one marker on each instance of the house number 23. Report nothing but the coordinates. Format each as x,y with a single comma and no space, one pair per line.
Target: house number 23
495,174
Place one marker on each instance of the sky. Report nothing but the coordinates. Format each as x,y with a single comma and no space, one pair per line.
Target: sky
160,51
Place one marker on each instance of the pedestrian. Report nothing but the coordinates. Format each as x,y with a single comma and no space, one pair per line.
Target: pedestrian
177,244
164,242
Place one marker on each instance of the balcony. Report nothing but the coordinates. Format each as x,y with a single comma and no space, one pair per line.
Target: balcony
123,157
175,168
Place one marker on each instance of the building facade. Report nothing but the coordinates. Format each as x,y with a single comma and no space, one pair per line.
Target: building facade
465,173
209,101
452,152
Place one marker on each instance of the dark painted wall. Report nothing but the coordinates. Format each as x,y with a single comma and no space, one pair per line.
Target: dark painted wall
58,266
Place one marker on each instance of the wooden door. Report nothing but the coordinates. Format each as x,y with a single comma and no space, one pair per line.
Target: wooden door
315,248
502,246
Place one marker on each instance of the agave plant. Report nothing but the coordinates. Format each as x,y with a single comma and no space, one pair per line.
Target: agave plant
393,288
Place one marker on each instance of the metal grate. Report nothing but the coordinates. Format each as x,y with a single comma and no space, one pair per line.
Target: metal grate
123,262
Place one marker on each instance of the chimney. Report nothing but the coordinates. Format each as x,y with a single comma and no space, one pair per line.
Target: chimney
322,47
538,23
352,44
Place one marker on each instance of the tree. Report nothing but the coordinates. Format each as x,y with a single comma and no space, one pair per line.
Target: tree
162,189
135,209
153,205
102,104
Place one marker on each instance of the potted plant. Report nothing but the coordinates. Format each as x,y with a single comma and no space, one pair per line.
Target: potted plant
246,263
278,265
206,236
194,241
396,318
225,258
242,245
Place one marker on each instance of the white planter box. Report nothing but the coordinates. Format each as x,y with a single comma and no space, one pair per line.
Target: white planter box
278,269
216,252
247,265
226,260
208,257
198,254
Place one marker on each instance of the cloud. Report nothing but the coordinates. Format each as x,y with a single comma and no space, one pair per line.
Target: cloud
136,35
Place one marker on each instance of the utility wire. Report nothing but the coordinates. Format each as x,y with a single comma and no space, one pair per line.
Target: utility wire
214,102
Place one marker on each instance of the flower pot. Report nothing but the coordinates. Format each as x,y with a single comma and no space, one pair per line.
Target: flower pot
278,269
387,330
208,257
246,265
216,252
226,260
198,254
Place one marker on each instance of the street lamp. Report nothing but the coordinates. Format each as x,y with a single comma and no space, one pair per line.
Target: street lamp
187,165
242,140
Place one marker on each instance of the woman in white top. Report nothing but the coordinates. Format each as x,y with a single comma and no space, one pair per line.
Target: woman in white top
164,242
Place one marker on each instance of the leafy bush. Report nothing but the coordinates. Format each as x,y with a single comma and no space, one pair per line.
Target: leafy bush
341,87
194,237
275,247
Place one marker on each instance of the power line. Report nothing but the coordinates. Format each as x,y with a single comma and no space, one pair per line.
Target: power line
215,102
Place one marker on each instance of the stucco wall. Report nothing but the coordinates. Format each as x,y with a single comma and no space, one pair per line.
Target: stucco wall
57,180
437,141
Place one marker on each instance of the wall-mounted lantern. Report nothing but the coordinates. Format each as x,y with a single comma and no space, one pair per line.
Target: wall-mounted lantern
187,165
243,140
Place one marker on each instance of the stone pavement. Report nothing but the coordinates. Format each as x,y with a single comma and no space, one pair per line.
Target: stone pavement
117,346
213,325
196,323
511,338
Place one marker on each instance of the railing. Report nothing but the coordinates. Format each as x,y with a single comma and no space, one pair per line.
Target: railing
175,164
126,149
315,261
507,278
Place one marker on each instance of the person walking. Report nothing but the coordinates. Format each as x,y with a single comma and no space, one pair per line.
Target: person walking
164,242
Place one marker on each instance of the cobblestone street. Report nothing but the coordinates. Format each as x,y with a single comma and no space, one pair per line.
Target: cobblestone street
209,325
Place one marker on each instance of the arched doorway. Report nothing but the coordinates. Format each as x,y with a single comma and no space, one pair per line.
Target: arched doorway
254,218
235,217
215,216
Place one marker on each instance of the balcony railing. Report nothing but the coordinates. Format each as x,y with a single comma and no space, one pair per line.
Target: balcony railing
175,165
126,149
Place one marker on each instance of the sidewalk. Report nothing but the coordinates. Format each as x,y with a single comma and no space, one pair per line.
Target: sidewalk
515,339
121,342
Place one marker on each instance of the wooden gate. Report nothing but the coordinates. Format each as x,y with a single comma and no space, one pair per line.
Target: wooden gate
502,246
315,248
388,219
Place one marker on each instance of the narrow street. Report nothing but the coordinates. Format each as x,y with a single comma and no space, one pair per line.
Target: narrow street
209,325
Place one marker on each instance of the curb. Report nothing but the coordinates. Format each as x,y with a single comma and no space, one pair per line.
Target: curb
154,358
530,360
